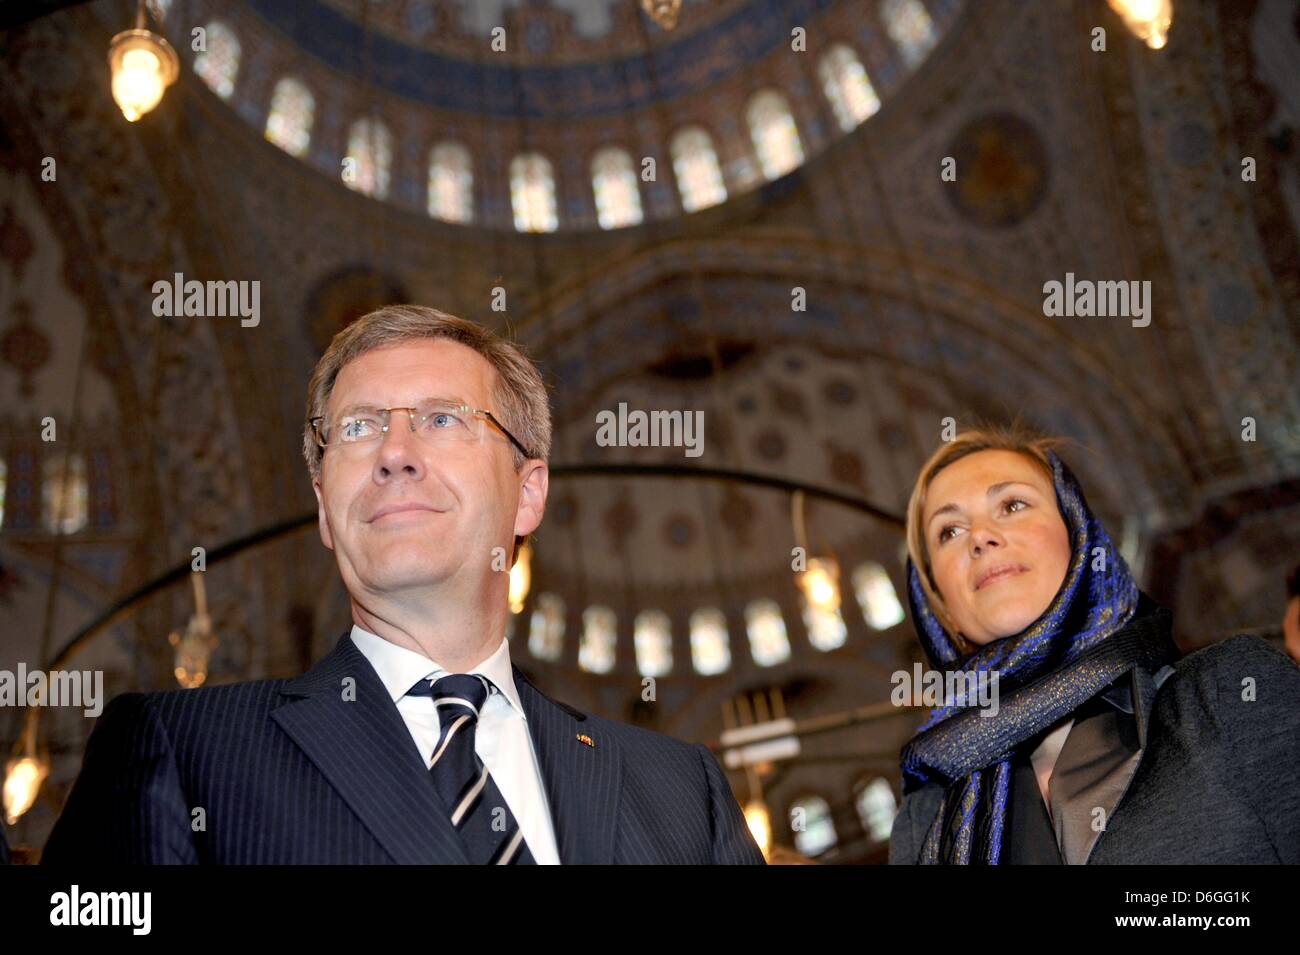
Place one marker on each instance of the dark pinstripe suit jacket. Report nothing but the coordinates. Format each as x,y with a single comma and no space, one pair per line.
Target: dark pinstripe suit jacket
288,771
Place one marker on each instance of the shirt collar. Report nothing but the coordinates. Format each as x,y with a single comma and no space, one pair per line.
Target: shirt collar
400,669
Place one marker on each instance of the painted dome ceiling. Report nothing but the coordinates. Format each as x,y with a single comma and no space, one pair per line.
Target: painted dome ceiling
552,31
584,114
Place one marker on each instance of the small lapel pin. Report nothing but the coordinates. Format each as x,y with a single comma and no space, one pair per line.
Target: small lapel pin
584,738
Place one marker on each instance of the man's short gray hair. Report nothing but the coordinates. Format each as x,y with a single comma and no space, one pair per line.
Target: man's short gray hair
519,391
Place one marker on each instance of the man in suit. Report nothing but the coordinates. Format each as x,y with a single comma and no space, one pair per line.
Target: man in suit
415,740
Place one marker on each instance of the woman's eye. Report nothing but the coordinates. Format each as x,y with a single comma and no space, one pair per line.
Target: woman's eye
943,534
1014,501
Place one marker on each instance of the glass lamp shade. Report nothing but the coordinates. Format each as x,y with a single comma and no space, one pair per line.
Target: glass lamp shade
759,821
23,778
521,578
663,12
143,65
1148,20
820,583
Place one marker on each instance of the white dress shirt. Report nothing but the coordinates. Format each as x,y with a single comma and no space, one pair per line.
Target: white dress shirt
501,738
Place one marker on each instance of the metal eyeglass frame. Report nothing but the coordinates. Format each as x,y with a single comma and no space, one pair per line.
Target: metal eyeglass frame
410,417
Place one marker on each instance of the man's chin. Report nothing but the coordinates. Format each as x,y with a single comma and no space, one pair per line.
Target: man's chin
392,576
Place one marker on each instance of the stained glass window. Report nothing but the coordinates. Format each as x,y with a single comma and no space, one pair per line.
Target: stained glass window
775,136
653,636
910,27
546,629
614,181
695,164
65,494
847,86
599,638
218,63
451,183
532,193
825,625
768,642
293,110
877,597
710,647
369,161
810,821
877,807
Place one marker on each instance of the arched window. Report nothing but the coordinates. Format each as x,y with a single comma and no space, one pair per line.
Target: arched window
825,626
218,63
613,180
910,27
653,636
877,597
451,183
369,161
768,642
710,648
293,110
546,629
65,495
775,136
847,86
532,193
599,637
810,821
876,808
695,164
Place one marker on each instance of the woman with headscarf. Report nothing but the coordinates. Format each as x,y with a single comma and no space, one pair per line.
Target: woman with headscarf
1104,746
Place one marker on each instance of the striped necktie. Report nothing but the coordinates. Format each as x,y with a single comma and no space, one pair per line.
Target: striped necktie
477,809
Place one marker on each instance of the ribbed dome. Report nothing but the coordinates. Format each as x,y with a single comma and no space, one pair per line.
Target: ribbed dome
560,115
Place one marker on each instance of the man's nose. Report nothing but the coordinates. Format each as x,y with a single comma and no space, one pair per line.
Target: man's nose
399,452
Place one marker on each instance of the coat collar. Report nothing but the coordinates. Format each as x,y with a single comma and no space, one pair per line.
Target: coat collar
1103,752
582,770
343,717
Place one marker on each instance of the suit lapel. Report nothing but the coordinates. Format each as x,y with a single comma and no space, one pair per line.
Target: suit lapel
361,745
1095,767
582,781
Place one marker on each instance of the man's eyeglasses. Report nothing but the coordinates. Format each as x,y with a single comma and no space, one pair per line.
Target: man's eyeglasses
439,421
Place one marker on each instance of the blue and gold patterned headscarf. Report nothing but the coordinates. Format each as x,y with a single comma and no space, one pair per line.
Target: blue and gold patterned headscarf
1045,672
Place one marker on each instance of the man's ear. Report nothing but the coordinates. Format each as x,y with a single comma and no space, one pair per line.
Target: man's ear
534,481
325,537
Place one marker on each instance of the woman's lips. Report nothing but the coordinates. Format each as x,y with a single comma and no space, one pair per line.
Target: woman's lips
998,573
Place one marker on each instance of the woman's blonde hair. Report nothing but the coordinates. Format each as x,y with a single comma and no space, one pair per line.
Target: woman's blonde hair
1011,437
